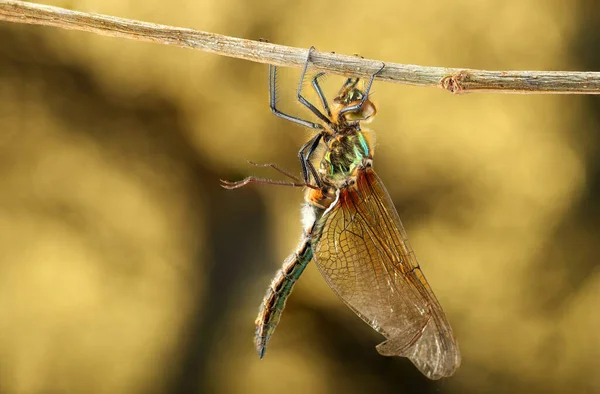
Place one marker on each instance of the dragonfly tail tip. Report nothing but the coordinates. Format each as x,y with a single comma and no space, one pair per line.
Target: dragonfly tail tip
261,352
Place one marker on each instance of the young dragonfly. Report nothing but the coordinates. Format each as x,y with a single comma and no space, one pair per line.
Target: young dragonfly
353,233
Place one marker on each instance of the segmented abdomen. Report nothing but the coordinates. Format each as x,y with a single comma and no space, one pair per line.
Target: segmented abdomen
278,292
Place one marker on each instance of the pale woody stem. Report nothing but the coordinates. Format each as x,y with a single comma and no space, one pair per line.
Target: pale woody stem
455,80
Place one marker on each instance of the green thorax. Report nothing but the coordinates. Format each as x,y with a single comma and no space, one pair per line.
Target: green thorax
346,152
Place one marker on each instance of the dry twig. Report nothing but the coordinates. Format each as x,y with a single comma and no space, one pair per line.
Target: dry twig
455,80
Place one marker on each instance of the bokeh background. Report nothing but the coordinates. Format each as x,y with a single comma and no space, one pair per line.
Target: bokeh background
125,268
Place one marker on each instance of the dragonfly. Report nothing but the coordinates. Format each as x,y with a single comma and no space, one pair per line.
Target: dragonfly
353,233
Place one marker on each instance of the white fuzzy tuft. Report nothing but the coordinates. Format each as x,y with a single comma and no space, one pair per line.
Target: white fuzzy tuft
308,217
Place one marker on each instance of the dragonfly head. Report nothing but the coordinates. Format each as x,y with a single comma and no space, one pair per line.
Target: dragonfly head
348,103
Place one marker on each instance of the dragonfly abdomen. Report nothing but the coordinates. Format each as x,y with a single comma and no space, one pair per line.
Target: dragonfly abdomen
278,292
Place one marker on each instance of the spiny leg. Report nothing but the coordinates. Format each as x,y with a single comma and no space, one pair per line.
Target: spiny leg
252,179
304,155
305,163
304,101
273,103
317,87
307,149
276,168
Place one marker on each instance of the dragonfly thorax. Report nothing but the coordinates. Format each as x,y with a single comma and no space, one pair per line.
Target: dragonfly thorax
345,156
346,153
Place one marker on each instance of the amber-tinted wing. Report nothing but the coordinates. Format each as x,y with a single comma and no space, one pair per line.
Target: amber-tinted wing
365,257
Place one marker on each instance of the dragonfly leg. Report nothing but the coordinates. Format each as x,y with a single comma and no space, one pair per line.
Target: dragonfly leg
252,179
304,101
307,169
276,168
304,155
317,87
273,103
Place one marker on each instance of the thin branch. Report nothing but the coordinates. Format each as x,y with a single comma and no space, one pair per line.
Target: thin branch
455,80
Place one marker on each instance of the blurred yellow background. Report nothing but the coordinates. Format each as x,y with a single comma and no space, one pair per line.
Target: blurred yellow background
125,268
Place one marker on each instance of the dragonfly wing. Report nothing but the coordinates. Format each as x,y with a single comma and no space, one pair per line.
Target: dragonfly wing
364,255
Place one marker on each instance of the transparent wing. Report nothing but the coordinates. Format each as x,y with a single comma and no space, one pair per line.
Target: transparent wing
364,255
